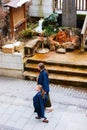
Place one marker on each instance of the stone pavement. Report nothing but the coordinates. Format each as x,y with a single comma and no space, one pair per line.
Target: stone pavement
16,109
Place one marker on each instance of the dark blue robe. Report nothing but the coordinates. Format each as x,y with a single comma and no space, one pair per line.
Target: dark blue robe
44,80
39,104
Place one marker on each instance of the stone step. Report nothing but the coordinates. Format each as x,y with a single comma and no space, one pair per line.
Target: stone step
49,62
58,69
60,72
60,78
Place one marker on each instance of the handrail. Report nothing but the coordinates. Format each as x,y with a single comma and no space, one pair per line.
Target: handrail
81,5
84,35
84,26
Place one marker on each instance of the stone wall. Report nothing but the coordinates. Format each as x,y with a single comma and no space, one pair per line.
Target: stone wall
11,65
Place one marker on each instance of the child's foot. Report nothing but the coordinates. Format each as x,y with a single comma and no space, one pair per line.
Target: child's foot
45,120
37,117
49,109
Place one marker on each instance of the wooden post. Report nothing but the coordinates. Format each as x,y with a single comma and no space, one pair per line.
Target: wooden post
11,22
69,13
25,25
86,4
53,1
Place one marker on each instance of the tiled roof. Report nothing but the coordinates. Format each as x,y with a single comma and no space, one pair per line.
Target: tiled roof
16,3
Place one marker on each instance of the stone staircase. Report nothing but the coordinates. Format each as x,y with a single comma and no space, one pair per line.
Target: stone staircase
59,73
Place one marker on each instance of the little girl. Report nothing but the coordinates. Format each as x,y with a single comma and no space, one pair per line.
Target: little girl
39,101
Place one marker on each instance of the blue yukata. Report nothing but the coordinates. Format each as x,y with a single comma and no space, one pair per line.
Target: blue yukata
43,80
39,104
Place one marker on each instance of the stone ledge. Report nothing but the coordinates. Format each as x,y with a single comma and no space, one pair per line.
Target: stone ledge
11,73
11,64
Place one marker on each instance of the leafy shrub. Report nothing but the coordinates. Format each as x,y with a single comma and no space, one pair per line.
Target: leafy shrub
50,30
27,33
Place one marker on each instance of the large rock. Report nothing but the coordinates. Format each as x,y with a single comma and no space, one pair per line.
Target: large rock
69,46
61,50
76,41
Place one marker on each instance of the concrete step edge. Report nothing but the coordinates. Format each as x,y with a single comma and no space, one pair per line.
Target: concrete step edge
57,76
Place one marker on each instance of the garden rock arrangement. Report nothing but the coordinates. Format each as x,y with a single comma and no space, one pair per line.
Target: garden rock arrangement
65,41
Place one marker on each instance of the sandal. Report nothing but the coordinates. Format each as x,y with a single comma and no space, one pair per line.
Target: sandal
45,120
37,117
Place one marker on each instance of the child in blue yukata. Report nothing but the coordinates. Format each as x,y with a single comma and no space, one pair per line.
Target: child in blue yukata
39,101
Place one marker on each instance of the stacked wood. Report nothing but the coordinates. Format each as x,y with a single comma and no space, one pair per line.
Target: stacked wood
53,40
53,43
62,36
9,48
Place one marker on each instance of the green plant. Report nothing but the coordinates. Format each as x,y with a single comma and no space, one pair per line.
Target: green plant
51,20
50,30
32,25
27,33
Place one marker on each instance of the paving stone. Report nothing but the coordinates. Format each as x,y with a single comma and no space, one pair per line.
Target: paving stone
16,107
21,122
74,126
3,127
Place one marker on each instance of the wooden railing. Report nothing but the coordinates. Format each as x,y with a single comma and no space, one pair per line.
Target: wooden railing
81,5
84,34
